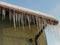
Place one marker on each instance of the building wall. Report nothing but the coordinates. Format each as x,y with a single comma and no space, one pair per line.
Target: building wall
20,35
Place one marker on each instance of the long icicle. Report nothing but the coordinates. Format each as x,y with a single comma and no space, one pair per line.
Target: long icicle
10,15
25,21
33,20
3,14
44,24
19,17
28,21
14,20
22,21
37,23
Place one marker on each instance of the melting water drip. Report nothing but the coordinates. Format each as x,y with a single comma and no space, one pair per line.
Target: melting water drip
28,21
3,14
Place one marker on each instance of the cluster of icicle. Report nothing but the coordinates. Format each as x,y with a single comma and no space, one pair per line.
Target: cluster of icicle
20,18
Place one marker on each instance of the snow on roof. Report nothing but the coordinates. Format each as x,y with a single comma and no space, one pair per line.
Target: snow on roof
18,8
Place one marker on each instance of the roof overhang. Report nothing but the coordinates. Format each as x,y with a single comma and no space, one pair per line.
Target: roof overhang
25,10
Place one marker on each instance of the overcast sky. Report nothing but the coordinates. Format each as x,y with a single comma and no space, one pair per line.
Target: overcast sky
46,6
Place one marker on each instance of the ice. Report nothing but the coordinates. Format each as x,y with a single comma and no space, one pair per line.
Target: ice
14,22
25,20
28,21
37,23
18,19
10,15
3,14
22,21
33,20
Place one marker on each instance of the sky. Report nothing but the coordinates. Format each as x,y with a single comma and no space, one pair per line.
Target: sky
51,7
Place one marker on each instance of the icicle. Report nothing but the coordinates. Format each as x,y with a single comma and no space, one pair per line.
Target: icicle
22,21
16,17
37,24
33,19
3,14
44,24
25,20
10,16
28,21
14,20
